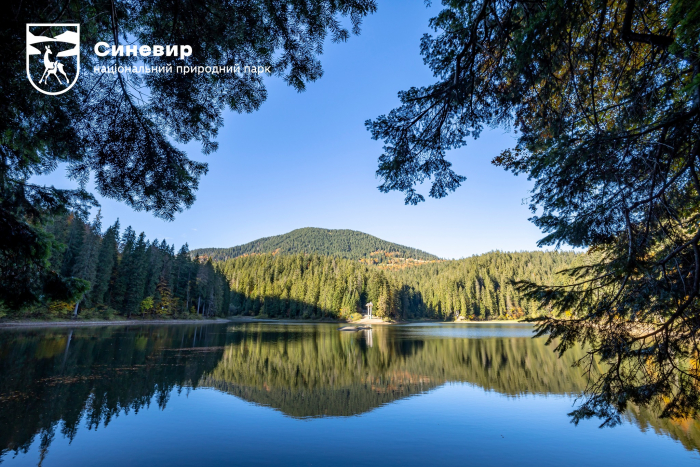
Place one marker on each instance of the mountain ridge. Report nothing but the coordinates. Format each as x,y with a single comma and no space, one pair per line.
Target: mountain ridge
345,243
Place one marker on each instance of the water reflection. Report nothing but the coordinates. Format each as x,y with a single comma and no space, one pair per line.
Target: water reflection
52,379
52,376
317,371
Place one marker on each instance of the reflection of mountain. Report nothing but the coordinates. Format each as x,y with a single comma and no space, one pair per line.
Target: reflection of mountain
54,376
686,431
324,402
325,372
315,371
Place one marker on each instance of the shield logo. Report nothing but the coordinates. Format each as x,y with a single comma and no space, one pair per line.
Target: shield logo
53,56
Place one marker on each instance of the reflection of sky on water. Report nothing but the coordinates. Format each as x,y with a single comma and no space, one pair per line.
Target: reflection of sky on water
307,394
456,424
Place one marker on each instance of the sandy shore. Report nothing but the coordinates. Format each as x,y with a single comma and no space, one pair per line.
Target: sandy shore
253,319
23,324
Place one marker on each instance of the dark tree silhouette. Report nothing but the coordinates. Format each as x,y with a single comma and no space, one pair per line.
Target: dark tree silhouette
121,129
604,96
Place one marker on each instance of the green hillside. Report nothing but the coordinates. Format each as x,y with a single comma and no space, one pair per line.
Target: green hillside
314,286
349,244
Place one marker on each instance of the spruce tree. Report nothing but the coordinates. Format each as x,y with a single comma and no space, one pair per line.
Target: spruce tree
124,270
604,96
120,130
85,264
106,265
138,275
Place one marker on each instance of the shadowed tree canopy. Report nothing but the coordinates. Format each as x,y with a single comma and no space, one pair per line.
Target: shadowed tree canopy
604,97
121,129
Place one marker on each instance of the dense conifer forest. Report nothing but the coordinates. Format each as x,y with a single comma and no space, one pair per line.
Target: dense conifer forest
479,287
126,274
349,244
315,286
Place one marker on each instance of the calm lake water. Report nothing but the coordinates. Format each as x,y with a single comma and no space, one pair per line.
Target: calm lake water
307,394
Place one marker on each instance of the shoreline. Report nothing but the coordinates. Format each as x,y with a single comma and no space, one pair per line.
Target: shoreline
51,324
252,319
241,319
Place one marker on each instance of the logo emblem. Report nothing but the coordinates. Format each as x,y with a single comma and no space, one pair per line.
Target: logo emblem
53,56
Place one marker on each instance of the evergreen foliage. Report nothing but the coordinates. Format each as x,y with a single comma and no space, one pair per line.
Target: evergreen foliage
605,98
349,244
479,287
120,130
130,275
314,286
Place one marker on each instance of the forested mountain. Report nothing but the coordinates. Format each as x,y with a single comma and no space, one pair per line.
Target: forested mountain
124,273
315,286
349,244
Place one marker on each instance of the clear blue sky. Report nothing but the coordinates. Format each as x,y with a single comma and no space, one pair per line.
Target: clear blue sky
306,160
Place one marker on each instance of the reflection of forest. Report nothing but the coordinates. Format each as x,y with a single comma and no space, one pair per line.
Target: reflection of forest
325,372
312,371
687,431
97,373
55,376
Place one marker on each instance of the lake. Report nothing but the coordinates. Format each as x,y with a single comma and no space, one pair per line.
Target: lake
307,394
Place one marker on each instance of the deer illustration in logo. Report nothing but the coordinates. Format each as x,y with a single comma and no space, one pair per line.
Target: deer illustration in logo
61,56
52,68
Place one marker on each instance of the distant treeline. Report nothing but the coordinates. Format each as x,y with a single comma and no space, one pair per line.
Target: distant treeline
315,286
349,244
480,286
126,274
